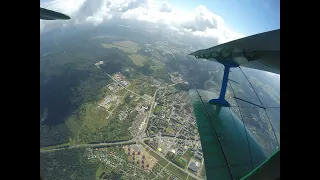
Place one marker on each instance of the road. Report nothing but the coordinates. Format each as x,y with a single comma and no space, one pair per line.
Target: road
91,145
150,111
187,172
132,141
126,88
110,112
151,107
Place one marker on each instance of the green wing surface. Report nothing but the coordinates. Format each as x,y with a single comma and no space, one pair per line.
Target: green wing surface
229,149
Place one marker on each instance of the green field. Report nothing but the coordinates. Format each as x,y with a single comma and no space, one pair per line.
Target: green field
138,59
100,170
89,119
125,46
157,109
169,130
165,177
187,155
191,178
122,92
161,161
174,170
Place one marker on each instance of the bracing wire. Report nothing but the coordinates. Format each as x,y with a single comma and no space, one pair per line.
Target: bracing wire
262,105
244,127
215,132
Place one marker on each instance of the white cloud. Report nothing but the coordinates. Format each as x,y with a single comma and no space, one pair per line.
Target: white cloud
100,14
125,5
201,22
165,7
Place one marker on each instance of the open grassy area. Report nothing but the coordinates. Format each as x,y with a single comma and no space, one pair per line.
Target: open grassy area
88,121
100,170
191,178
157,109
121,92
93,117
169,130
187,155
128,44
174,170
165,177
161,161
138,59
125,46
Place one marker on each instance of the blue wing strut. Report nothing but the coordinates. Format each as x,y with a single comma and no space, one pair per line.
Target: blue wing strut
221,101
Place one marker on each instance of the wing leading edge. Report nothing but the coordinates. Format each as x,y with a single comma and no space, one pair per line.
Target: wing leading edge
259,51
47,14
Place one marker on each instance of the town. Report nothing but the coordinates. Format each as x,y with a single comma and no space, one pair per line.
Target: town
165,141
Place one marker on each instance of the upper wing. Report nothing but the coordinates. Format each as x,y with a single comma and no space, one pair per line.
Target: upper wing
260,51
51,15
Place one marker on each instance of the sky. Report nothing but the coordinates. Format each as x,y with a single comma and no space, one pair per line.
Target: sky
247,17
223,20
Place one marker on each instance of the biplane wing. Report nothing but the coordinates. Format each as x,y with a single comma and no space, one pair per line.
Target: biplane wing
47,14
259,51
230,150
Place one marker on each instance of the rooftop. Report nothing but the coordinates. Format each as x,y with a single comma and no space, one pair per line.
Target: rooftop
193,167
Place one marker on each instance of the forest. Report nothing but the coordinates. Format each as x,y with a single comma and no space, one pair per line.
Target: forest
67,164
69,80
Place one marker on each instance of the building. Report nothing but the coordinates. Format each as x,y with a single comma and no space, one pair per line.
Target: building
124,83
179,152
173,151
193,166
198,157
108,100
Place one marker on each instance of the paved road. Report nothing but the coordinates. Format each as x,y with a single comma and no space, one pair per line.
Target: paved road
132,141
91,145
151,107
190,174
120,143
126,88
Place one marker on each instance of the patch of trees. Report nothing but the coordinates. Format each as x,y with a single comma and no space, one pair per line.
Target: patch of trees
63,90
113,175
67,164
54,135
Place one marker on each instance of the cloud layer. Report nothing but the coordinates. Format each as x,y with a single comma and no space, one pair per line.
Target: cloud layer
201,22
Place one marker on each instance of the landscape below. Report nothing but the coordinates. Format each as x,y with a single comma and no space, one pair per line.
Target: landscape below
117,107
